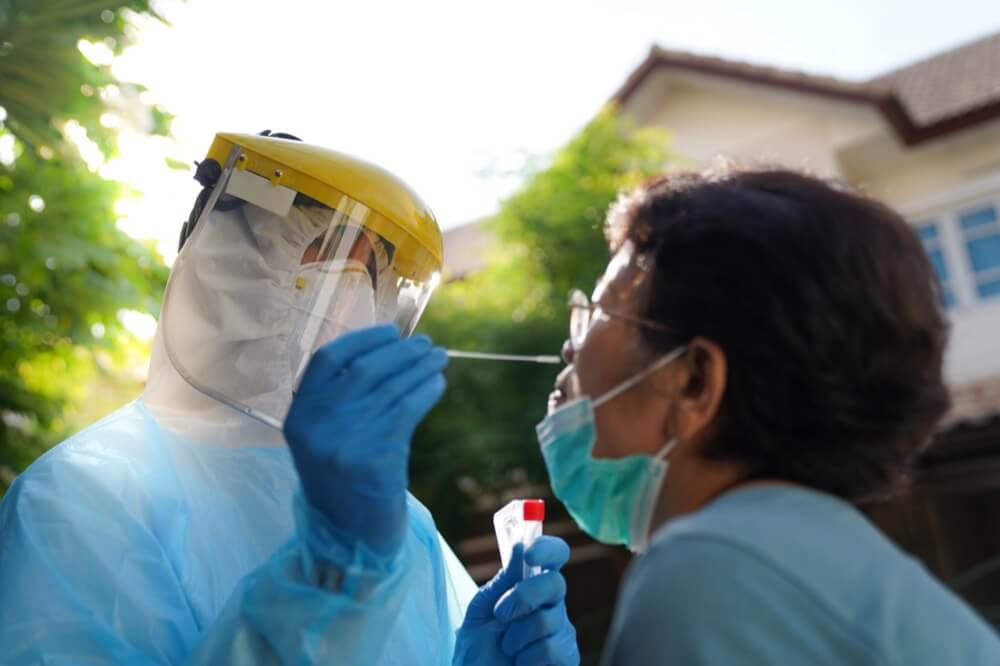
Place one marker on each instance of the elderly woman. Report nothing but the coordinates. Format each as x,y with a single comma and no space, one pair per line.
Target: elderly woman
763,350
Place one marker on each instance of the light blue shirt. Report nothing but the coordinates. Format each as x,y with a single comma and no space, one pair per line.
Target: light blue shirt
779,574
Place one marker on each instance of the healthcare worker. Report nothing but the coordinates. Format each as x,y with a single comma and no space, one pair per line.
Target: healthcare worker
764,349
251,506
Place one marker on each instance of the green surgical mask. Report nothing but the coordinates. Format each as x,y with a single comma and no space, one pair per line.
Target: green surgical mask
611,499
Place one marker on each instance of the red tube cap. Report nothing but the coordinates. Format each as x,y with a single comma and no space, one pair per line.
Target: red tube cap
534,509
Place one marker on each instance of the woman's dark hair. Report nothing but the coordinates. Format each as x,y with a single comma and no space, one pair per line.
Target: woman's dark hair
825,305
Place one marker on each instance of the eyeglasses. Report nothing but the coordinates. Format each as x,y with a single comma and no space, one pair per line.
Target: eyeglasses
581,317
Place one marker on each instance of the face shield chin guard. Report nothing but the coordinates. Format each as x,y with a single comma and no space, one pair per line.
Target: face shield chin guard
269,274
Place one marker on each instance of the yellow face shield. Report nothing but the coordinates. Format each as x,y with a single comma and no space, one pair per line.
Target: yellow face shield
271,273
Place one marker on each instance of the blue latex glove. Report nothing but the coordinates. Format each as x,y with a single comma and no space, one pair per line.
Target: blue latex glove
350,424
521,622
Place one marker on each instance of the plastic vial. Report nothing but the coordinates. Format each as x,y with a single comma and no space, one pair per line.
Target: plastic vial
519,522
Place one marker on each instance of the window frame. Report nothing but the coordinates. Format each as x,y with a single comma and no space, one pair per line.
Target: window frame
992,230
944,210
948,285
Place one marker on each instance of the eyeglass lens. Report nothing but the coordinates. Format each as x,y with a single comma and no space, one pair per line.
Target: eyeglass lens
579,317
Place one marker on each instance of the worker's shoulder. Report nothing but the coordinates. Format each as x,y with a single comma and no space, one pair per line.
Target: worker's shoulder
421,521
122,435
113,453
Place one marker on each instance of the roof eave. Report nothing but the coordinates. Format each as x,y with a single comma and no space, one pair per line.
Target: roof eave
886,102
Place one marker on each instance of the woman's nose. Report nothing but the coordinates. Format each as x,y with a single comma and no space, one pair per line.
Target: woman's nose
568,353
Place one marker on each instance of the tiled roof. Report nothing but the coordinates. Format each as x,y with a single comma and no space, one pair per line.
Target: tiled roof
948,84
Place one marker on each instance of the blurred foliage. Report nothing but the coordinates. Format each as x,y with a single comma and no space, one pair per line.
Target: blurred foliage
481,438
66,271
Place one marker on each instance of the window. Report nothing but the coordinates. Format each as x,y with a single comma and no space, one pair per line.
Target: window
981,232
960,231
932,243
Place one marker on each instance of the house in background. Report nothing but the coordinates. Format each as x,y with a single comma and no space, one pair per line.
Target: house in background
926,140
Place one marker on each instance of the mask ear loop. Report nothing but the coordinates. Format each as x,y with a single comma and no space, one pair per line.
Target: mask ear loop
641,540
632,381
667,448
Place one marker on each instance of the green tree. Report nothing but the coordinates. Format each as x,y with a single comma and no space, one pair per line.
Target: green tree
481,437
66,270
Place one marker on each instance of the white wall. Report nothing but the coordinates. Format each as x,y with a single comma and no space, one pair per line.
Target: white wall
903,176
708,117
465,249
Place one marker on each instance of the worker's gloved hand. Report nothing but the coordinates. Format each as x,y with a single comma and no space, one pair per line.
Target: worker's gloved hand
521,622
350,424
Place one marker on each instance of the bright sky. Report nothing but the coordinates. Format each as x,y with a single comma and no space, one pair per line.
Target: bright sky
453,95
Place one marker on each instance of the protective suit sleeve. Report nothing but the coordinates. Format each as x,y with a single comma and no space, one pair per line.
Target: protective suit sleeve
316,601
84,578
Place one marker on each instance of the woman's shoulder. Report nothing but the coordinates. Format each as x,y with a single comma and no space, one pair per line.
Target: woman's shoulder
796,563
745,550
702,598
791,528
815,544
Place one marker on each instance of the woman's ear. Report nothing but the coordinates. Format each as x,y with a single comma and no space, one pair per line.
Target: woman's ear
695,383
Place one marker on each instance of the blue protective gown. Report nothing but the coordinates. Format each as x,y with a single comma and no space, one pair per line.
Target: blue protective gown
129,544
